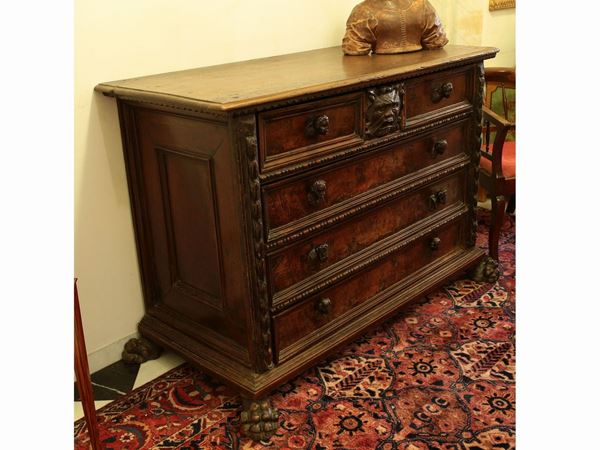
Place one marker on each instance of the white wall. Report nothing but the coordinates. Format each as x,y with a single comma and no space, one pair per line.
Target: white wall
470,22
123,39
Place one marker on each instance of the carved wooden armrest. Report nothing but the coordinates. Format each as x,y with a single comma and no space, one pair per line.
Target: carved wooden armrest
497,119
502,125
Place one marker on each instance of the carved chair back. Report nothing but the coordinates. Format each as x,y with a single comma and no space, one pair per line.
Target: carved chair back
498,157
500,84
499,114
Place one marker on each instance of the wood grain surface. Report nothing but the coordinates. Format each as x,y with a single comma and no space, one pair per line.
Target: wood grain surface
249,83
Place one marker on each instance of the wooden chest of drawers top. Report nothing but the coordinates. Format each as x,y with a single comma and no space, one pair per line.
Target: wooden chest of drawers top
258,82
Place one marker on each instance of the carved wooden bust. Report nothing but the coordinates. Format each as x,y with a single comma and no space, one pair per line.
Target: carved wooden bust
393,26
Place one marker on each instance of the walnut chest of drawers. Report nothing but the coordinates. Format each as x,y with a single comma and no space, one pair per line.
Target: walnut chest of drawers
284,205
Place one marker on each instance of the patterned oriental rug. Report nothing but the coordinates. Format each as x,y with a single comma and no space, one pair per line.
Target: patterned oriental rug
440,375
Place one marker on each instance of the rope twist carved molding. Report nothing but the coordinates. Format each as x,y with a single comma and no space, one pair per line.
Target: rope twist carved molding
262,336
476,152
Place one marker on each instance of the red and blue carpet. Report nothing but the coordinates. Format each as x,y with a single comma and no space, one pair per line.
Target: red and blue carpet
440,375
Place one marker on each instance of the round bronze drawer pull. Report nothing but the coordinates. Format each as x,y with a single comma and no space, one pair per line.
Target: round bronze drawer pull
319,253
439,148
434,244
444,91
324,306
442,196
316,193
317,126
437,198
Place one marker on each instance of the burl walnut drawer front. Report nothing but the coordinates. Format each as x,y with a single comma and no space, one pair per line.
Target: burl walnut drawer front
299,261
427,94
299,132
316,312
290,201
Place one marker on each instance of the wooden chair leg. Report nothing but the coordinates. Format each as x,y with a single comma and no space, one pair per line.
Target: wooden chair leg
510,208
481,194
84,382
498,208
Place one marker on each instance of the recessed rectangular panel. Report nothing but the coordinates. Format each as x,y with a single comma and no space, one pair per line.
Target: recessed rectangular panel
190,210
191,232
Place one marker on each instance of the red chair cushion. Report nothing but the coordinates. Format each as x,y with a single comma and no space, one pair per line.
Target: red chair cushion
509,167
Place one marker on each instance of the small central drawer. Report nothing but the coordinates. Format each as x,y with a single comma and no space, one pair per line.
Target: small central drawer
426,95
291,201
294,263
313,317
301,132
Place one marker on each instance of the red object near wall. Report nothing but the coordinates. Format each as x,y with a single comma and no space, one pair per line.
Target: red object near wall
84,382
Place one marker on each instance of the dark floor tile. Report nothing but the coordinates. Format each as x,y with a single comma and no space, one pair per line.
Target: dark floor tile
119,376
112,381
101,393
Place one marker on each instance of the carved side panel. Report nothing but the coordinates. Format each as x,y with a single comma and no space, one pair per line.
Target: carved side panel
261,337
479,78
384,104
189,214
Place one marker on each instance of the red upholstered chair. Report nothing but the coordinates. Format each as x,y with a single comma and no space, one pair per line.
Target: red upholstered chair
498,155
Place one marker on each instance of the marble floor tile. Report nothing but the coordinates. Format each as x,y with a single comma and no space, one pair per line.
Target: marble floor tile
112,381
118,379
155,368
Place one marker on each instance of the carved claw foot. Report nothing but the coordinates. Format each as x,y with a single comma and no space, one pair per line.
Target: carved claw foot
138,351
259,419
487,271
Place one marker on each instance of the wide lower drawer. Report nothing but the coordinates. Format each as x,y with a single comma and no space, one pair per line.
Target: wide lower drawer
294,263
427,95
291,203
315,314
